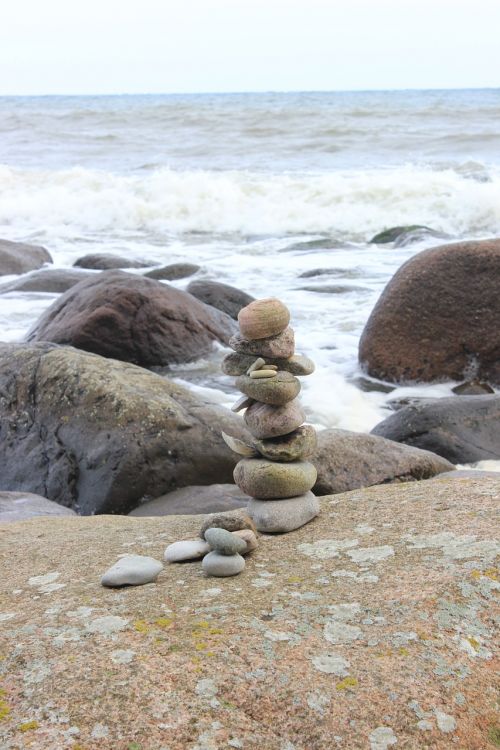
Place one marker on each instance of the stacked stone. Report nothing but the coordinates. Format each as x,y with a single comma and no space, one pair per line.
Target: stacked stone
274,471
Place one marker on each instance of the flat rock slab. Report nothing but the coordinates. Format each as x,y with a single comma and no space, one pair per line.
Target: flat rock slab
18,506
372,624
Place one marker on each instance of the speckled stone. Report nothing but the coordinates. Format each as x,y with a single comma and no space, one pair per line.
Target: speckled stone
224,541
222,566
263,318
132,570
268,480
190,549
296,445
235,364
277,390
233,521
282,516
282,345
266,421
250,539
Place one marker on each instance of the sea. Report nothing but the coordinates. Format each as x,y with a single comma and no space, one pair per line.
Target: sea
277,194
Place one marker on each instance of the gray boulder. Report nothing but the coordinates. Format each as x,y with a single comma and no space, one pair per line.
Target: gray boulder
18,257
214,498
173,271
349,460
97,435
224,297
462,429
52,280
108,261
18,506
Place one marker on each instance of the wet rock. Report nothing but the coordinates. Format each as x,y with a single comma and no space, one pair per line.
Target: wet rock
224,541
400,233
238,364
265,421
52,281
230,521
277,390
438,317
298,444
18,506
335,289
212,498
224,297
280,346
19,257
473,388
108,261
268,480
222,566
189,549
132,570
347,460
462,430
173,271
282,516
128,317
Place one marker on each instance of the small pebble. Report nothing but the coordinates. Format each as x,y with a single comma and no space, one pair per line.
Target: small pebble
215,564
256,365
132,570
232,521
191,549
258,374
250,539
225,542
269,367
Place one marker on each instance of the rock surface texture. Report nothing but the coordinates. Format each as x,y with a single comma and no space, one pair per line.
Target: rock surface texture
97,435
438,317
18,257
134,319
374,624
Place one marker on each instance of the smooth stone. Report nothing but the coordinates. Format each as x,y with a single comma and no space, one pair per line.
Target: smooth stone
298,444
190,549
239,446
235,521
235,364
282,516
280,346
255,365
249,538
132,570
242,403
173,271
224,541
268,480
264,373
266,421
263,318
221,566
277,390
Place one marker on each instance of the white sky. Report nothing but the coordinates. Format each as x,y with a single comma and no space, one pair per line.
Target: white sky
134,46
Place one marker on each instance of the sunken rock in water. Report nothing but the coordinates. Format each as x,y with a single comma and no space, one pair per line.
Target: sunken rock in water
132,570
250,540
280,346
190,549
298,444
263,318
225,542
266,421
269,480
221,566
282,516
235,364
277,390
235,521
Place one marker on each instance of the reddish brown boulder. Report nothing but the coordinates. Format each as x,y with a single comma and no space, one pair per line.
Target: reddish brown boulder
438,317
133,319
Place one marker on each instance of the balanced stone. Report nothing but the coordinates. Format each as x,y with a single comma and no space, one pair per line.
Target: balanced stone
233,521
267,373
215,564
282,345
263,318
277,390
298,444
224,541
239,446
191,549
266,421
242,403
256,365
250,540
132,570
235,364
268,480
282,516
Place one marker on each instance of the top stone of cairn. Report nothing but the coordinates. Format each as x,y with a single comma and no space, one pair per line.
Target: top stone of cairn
263,318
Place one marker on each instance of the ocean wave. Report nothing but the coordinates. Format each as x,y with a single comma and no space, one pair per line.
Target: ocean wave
350,205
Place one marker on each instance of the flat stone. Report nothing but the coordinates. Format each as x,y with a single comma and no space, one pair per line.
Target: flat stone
270,372
173,271
235,364
296,445
224,541
132,570
265,479
235,521
266,421
276,390
190,549
282,345
282,516
221,566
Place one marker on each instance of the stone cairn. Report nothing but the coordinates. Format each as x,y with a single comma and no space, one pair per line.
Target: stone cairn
274,471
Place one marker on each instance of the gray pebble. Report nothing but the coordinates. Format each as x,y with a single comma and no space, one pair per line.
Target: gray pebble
225,542
132,570
190,549
281,516
215,564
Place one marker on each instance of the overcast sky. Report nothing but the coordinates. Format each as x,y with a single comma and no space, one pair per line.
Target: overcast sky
133,46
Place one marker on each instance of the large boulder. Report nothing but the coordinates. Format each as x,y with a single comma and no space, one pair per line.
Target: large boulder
18,506
53,281
347,460
128,317
213,498
18,257
370,628
108,261
224,297
438,317
97,435
462,429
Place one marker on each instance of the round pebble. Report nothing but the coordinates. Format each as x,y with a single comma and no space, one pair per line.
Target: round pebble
190,549
268,480
224,541
250,539
263,318
282,516
277,390
221,566
132,570
266,421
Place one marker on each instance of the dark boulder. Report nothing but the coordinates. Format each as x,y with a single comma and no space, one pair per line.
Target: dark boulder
473,388
438,317
173,271
404,235
335,289
98,435
224,297
108,261
18,257
53,281
463,430
214,498
128,317
18,506
349,460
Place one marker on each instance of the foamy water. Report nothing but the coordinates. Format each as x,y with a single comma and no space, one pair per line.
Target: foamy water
258,190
